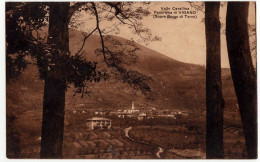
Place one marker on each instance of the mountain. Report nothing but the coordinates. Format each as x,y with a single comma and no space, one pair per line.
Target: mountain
175,85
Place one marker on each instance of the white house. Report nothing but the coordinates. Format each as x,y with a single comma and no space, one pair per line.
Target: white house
98,123
142,116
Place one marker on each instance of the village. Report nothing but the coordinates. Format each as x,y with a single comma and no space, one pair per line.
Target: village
131,132
99,120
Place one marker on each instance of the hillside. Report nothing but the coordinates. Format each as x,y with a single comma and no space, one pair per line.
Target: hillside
175,85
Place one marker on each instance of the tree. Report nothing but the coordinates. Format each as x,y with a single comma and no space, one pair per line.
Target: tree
58,67
21,20
214,97
242,70
55,84
18,37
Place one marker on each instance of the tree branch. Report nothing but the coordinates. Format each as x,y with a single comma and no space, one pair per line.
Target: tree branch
86,37
118,10
74,8
100,34
198,7
113,29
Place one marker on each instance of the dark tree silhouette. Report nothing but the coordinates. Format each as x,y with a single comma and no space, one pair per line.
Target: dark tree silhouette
214,97
21,21
58,67
242,70
55,84
18,38
13,149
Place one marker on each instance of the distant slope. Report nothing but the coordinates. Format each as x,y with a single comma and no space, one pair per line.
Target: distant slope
175,85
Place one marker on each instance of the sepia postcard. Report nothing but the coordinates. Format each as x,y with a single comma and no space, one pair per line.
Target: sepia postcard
131,80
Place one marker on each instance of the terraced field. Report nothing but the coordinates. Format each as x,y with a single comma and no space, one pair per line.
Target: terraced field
79,142
96,144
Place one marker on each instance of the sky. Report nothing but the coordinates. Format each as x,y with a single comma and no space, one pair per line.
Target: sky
181,39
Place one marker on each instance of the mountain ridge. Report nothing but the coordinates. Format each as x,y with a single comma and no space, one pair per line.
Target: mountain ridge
175,85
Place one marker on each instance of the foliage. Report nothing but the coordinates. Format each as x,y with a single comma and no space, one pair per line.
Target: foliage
57,65
117,54
24,38
21,20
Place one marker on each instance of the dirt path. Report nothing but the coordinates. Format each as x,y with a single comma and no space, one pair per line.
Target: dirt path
160,150
188,153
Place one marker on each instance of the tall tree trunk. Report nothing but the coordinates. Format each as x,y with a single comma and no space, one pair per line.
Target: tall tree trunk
214,97
55,85
242,70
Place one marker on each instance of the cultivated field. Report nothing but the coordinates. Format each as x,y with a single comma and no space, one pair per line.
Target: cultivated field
183,137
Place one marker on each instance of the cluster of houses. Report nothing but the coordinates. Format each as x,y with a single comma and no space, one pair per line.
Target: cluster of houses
132,113
140,114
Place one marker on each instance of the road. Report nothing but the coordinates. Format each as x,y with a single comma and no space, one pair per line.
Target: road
160,150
